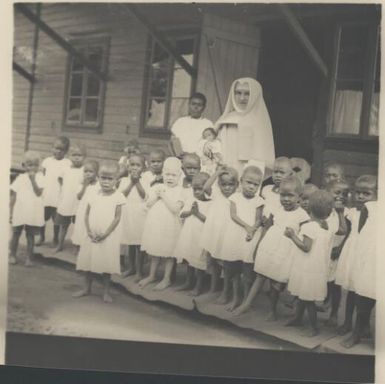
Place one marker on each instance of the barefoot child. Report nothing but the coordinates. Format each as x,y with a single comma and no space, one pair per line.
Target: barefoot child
89,186
162,225
68,200
100,249
154,174
242,233
134,214
274,254
27,206
210,151
131,148
188,247
191,165
53,169
308,277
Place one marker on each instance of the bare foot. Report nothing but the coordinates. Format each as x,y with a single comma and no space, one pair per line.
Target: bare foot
233,305
83,292
272,317
195,292
344,329
366,333
294,322
162,285
221,299
310,332
351,341
128,272
107,298
184,287
12,260
332,321
59,249
240,310
138,277
54,244
40,242
28,262
144,282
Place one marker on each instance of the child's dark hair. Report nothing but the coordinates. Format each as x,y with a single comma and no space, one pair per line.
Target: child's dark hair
200,178
93,163
334,164
321,204
210,129
111,166
228,171
65,141
309,187
200,96
191,156
139,156
159,152
252,169
370,180
293,180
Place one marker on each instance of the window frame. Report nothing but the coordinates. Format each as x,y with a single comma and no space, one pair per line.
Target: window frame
172,35
104,43
368,84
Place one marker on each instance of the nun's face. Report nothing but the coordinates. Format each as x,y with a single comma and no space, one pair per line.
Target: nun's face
242,95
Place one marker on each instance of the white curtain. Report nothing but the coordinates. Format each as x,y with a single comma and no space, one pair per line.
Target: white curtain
373,122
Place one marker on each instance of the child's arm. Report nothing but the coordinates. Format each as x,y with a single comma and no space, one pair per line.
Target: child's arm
82,191
305,244
211,180
233,213
126,191
185,214
140,189
87,222
195,211
38,191
174,206
114,224
12,202
153,198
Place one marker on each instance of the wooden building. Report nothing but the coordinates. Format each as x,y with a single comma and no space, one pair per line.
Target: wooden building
103,74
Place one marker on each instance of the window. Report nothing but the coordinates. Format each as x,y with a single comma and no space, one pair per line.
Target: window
85,92
356,84
168,85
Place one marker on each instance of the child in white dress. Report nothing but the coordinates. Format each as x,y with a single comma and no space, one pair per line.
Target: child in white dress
274,254
155,163
131,148
281,169
188,247
162,225
210,151
100,249
242,233
365,190
307,191
53,168
214,227
134,214
27,206
191,165
309,273
89,186
68,202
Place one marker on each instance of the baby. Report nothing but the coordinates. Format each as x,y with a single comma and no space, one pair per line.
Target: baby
210,151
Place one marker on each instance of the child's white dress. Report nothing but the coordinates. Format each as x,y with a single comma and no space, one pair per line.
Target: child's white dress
364,274
80,232
53,170
309,273
103,257
235,247
134,213
209,164
28,208
147,177
347,259
188,246
162,227
272,199
274,255
68,200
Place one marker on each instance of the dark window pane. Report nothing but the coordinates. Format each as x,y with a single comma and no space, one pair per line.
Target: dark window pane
76,85
95,56
185,46
76,64
74,110
353,46
93,85
91,110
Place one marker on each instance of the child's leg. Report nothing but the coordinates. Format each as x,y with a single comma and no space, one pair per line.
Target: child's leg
248,277
168,270
198,288
41,236
14,244
227,274
299,311
349,310
62,235
275,289
335,298
237,299
87,286
188,284
129,261
312,313
215,275
254,290
56,231
30,245
106,288
139,258
154,264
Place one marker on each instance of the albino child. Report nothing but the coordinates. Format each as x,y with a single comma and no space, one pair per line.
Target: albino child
282,168
68,202
309,273
242,233
191,165
188,247
100,249
274,254
162,225
27,206
53,169
210,151
134,214
154,174
214,227
89,186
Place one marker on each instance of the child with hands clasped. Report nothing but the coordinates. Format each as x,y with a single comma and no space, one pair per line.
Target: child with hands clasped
162,225
242,233
27,206
309,273
100,249
134,213
191,165
188,246
155,163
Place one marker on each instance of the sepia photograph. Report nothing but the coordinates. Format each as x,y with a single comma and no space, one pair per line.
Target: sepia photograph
196,174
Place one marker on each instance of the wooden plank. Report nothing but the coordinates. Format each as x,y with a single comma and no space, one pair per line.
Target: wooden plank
20,70
303,38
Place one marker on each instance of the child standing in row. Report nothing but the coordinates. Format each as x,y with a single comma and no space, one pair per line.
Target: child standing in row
53,169
27,206
162,225
100,249
188,247
155,163
131,148
191,165
68,201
